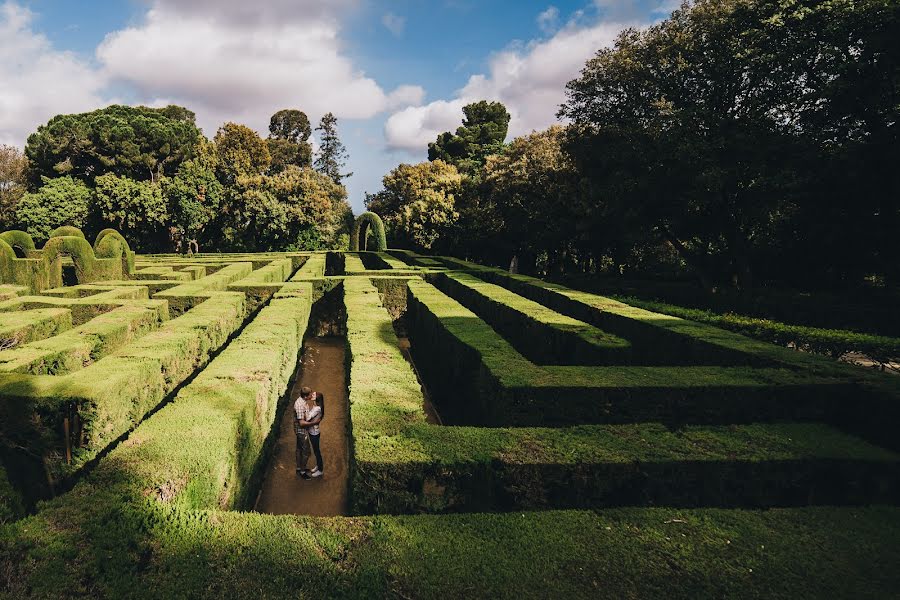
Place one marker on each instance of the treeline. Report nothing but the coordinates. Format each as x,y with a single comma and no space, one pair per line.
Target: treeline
153,175
739,142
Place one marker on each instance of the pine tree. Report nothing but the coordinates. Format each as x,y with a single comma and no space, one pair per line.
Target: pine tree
332,155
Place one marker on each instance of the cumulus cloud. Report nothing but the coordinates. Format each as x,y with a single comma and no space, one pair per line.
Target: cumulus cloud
393,23
529,79
547,21
38,80
228,67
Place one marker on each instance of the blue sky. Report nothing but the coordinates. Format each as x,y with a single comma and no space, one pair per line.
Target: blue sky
395,73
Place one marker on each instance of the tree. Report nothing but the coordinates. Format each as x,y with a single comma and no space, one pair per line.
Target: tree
288,141
13,165
332,156
137,142
135,208
295,209
241,153
705,130
418,203
482,133
194,197
60,201
533,191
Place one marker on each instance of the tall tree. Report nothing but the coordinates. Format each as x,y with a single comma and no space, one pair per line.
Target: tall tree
288,140
194,197
418,203
332,156
137,142
482,133
241,153
13,166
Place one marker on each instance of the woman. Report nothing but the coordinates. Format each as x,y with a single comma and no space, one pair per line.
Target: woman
309,410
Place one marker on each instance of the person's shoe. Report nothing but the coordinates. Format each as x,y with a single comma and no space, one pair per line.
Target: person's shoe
316,472
304,474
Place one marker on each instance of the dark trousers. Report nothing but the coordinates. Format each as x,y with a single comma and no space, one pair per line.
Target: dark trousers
314,442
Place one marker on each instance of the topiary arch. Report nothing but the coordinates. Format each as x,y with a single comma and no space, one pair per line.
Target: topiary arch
360,231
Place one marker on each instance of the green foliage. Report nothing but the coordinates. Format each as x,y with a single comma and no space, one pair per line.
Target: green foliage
135,208
289,132
418,202
482,133
364,223
331,157
18,239
241,153
830,342
136,142
194,197
59,201
13,167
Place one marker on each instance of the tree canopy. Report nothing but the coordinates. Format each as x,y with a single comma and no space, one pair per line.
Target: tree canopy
137,142
482,133
288,140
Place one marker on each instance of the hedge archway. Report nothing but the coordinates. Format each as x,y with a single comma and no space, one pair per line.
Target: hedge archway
361,230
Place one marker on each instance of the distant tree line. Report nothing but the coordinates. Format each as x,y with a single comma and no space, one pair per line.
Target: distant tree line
151,174
742,142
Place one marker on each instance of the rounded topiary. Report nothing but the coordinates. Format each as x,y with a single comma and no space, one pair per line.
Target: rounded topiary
78,249
67,230
360,230
112,244
18,239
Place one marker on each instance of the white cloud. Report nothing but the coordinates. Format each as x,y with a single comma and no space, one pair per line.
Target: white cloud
530,80
394,23
547,21
228,62
38,81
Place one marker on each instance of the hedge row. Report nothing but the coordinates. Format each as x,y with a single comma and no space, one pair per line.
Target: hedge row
542,335
163,272
186,295
458,353
807,553
83,308
870,409
201,451
312,268
404,464
76,348
21,327
261,284
106,399
830,342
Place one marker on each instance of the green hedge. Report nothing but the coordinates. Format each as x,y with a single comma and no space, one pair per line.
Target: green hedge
314,267
186,295
364,222
404,464
542,335
109,397
76,348
21,327
830,342
459,354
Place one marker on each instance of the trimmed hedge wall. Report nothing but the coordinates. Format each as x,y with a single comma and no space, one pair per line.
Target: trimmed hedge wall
542,335
829,342
359,233
106,399
404,464
21,327
456,351
182,297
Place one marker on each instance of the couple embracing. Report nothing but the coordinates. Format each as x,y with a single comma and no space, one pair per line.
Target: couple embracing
309,410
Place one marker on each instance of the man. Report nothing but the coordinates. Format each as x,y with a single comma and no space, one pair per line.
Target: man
309,410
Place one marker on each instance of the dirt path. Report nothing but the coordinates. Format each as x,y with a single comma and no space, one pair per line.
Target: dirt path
283,491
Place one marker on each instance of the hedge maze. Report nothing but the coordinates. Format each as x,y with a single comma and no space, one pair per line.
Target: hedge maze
137,402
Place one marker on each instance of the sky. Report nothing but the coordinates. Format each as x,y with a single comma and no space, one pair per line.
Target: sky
395,73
